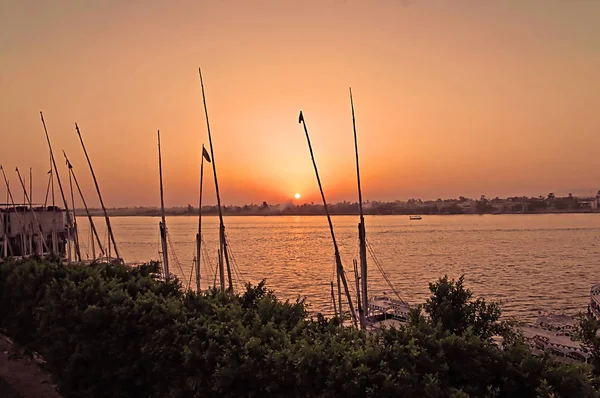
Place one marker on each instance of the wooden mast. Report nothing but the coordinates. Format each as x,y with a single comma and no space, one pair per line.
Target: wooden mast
62,193
361,232
338,260
17,216
54,234
108,226
199,234
163,223
333,301
35,220
358,299
87,211
222,239
75,230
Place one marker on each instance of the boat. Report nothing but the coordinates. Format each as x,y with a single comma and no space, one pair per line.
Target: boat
554,334
594,305
412,218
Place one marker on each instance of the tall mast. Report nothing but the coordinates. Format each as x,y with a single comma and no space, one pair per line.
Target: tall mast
163,224
358,300
338,260
54,234
199,234
62,193
75,230
222,239
35,220
333,301
108,226
31,184
87,211
361,231
17,216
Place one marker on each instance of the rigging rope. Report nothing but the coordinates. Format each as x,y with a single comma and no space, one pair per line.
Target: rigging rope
174,256
380,267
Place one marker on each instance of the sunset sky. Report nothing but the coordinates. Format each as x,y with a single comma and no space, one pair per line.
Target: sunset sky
452,97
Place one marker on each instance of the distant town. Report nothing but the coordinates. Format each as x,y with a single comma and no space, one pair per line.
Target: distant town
462,205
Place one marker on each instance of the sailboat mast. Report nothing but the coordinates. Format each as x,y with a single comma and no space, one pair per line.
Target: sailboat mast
333,301
75,230
199,234
17,216
358,300
361,228
54,234
163,225
87,211
223,242
338,260
35,220
62,193
108,226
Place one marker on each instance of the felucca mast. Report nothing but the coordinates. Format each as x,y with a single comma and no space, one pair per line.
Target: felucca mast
17,216
364,309
222,239
163,223
338,260
199,234
62,193
108,226
35,220
87,211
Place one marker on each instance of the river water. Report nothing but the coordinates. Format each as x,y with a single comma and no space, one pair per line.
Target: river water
529,263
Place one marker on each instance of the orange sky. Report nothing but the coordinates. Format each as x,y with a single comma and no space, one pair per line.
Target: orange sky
452,97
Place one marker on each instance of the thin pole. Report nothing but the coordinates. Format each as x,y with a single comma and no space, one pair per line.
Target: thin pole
108,226
339,293
199,234
87,211
31,184
4,218
222,239
35,220
62,193
163,224
362,236
18,217
338,260
221,268
54,234
75,230
357,280
333,301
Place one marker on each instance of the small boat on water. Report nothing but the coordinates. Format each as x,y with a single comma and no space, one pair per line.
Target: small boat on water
412,218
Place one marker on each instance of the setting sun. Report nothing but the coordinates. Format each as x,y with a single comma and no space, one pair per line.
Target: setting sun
297,196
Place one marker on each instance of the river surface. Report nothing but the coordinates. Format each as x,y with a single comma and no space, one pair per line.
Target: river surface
529,263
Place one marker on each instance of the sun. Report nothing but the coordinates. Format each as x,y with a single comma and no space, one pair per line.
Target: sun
297,196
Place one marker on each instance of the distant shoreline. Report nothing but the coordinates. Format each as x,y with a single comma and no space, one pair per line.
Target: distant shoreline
112,213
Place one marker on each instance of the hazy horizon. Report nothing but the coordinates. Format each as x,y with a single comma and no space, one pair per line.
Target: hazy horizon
452,98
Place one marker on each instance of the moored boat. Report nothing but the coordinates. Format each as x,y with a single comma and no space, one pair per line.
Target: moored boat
594,305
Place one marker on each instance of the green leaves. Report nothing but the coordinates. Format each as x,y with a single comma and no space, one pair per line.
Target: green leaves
112,331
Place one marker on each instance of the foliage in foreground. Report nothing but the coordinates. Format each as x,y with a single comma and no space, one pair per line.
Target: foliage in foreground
108,330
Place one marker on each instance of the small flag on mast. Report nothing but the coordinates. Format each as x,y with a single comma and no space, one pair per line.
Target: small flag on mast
300,118
205,154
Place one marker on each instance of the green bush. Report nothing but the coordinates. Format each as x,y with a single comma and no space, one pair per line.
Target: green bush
113,331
